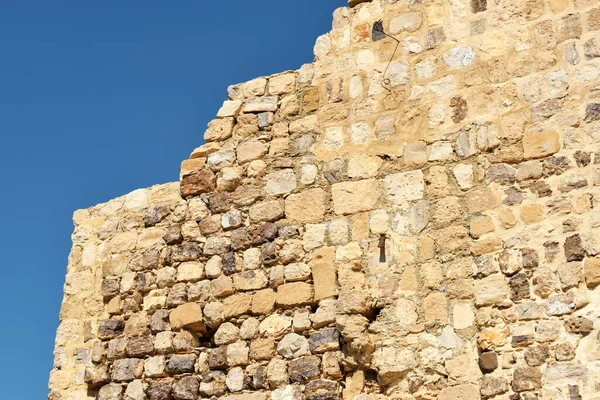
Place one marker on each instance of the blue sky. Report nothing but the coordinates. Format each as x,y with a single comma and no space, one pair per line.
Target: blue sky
98,98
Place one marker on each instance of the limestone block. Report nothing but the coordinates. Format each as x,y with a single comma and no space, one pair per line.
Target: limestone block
294,294
219,129
542,144
250,150
188,316
491,290
404,186
230,108
307,206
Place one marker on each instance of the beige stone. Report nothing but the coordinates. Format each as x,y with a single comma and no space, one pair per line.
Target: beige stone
250,150
532,213
542,144
188,316
230,108
263,301
492,290
404,186
415,154
266,211
486,245
219,129
355,197
480,226
364,166
462,315
307,206
324,273
294,294
460,392
283,83
435,307
236,305
591,270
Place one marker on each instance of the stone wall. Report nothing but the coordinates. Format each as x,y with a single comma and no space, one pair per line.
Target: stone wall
362,231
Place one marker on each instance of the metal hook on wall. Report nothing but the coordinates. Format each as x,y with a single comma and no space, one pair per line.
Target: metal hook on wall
378,34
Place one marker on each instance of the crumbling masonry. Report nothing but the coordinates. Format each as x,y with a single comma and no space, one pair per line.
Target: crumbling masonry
258,276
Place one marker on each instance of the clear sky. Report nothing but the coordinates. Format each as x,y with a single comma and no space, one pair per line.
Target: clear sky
98,98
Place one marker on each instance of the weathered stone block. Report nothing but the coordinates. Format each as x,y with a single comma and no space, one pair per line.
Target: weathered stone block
355,197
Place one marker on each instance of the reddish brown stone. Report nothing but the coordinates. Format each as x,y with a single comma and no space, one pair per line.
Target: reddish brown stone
199,182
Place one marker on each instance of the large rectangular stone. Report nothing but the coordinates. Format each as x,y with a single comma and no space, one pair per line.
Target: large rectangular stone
355,197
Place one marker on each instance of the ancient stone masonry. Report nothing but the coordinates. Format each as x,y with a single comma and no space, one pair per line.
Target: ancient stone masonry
258,276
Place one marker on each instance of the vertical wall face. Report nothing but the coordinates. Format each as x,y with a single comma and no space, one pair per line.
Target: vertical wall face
365,229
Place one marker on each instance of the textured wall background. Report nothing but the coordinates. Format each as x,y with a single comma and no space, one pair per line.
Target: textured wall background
259,275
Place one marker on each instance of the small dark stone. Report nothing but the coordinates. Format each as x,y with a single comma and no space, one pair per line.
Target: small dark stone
177,295
325,340
555,166
264,233
110,328
377,31
537,355
579,325
181,364
187,251
574,393
592,112
140,346
459,109
159,321
552,250
488,362
258,378
574,250
521,340
229,263
512,197
156,214
526,378
239,239
186,388
519,287
541,189
199,182
160,390
110,288
304,369
583,158
217,358
478,6
530,257
269,253
500,173
322,389
220,202
210,225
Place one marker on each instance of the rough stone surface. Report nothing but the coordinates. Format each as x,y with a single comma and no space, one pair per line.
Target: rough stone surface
351,231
